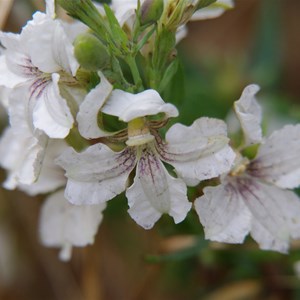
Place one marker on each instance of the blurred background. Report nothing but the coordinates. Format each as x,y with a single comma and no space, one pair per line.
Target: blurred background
256,42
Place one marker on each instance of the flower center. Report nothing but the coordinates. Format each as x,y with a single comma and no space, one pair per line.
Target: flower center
240,166
138,132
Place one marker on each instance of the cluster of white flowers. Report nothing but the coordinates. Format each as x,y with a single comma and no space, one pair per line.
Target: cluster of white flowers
58,142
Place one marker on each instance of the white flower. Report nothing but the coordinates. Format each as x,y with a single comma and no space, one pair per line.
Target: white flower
41,57
27,153
99,174
252,197
65,225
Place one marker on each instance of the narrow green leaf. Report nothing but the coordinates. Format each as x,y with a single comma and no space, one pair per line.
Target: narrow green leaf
118,34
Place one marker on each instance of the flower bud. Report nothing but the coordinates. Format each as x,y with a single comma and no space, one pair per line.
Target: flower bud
151,11
90,52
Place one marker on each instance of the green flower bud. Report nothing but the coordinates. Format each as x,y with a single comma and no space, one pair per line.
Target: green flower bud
90,52
151,11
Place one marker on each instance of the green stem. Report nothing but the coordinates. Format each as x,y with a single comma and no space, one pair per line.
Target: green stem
135,73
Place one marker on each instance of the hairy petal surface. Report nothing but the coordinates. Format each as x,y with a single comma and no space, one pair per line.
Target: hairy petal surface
277,160
223,214
249,114
154,192
199,151
129,106
87,116
65,225
96,175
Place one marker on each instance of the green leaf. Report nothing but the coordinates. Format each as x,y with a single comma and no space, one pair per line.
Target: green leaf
168,75
174,92
118,35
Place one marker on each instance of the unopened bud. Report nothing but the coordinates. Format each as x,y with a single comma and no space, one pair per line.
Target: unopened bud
151,11
90,52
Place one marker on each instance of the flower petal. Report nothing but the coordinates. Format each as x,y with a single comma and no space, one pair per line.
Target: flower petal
51,176
96,175
50,8
47,36
276,213
249,114
87,116
277,160
199,151
51,112
155,192
129,106
16,56
223,214
10,79
21,147
65,225
124,10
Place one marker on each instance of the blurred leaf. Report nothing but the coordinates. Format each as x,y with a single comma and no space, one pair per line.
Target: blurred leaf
266,61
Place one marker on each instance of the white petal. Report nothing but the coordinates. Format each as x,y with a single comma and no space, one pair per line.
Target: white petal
51,176
63,51
21,148
181,33
16,56
276,213
21,154
37,36
50,8
249,114
155,192
223,214
129,106
277,160
87,116
199,151
45,35
124,9
51,112
96,175
8,78
213,11
65,225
